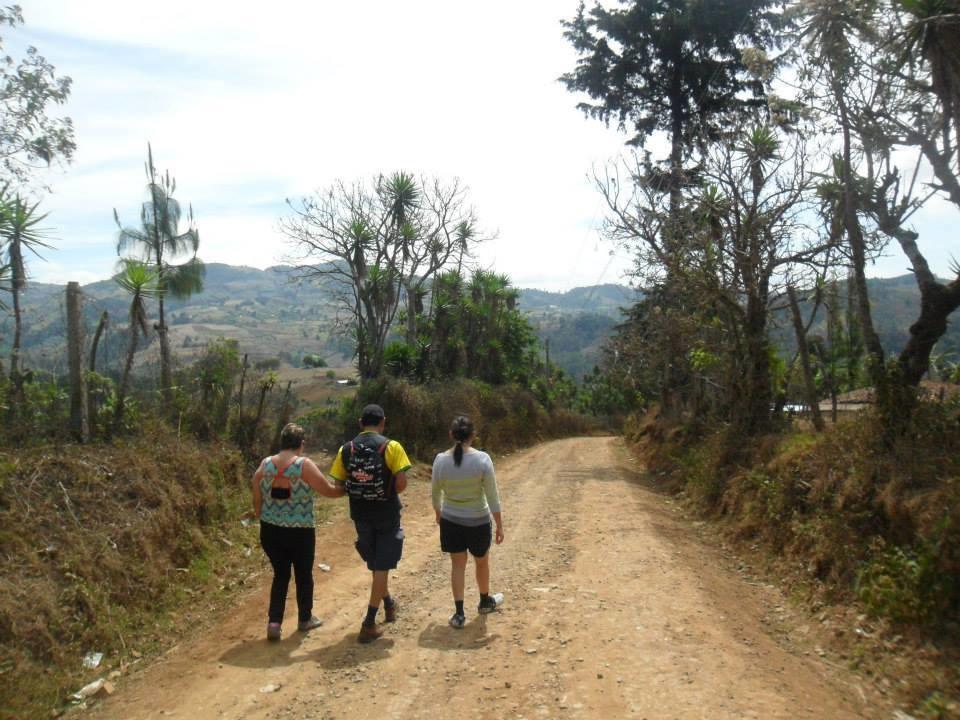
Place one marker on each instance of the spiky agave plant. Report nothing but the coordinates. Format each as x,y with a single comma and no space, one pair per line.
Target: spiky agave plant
142,282
21,233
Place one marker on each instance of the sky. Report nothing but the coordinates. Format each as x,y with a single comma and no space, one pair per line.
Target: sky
248,104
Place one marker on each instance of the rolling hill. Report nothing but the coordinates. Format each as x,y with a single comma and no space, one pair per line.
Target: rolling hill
271,314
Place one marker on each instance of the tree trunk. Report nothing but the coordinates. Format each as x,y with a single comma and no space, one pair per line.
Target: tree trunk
16,398
285,410
166,373
858,248
95,344
264,391
243,382
79,418
411,314
755,405
92,366
16,364
810,389
937,302
125,378
670,398
15,370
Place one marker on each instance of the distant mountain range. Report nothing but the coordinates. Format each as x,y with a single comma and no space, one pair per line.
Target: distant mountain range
272,315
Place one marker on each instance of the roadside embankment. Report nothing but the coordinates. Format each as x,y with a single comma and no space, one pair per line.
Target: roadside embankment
863,530
113,550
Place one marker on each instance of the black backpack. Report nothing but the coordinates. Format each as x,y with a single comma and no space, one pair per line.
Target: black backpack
368,477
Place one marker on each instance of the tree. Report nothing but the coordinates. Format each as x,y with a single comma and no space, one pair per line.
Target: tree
159,242
745,231
894,78
475,329
803,350
213,375
829,30
20,233
672,66
923,111
380,245
29,138
142,282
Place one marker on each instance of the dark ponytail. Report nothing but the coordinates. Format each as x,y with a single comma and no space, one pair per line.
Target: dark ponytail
462,430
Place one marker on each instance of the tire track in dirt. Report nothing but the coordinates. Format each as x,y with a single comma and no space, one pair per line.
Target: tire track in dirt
613,609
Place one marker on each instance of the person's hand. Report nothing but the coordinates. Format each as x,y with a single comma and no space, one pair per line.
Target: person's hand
250,514
499,537
437,514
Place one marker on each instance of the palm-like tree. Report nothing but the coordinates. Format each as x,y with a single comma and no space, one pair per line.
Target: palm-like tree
933,33
159,242
487,324
143,283
21,233
402,198
464,235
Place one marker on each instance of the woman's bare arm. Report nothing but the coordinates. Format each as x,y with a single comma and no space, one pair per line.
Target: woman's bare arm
257,495
318,481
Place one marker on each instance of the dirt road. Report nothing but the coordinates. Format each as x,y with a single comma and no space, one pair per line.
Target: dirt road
614,609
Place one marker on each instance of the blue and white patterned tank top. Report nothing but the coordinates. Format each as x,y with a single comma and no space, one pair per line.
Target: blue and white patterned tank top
295,511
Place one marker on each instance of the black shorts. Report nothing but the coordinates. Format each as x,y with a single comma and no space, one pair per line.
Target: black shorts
380,542
456,538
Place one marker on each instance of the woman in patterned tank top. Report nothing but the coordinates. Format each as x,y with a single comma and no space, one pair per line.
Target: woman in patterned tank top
283,489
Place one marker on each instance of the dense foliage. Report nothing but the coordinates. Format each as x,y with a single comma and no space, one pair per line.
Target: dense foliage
784,173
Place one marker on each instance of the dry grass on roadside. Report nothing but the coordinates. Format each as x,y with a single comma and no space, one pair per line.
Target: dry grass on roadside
101,547
848,520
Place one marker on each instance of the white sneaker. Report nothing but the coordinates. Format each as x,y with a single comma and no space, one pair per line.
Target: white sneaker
495,600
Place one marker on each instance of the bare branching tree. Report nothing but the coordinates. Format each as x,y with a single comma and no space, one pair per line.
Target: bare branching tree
745,229
379,246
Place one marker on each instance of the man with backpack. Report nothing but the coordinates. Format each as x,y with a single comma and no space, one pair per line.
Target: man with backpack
371,470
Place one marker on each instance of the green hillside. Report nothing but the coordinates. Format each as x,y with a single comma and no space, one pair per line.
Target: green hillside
271,314
896,306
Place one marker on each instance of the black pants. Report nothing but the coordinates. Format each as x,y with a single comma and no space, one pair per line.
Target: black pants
286,546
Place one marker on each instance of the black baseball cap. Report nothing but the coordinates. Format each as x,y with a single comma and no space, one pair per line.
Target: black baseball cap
372,415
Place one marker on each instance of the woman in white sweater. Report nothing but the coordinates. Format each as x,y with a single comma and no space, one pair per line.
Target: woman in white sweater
464,497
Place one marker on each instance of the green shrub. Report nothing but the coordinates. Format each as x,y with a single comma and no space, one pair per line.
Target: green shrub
400,360
905,584
311,360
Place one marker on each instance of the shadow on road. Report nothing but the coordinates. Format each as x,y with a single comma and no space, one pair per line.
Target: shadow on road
473,636
348,653
263,653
